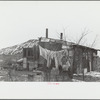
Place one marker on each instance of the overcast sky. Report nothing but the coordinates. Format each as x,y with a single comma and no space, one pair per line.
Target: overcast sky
24,20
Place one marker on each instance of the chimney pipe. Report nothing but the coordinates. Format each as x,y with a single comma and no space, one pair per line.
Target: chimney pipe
46,32
61,36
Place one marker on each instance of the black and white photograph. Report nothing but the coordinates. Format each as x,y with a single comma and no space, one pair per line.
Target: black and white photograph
49,49
44,41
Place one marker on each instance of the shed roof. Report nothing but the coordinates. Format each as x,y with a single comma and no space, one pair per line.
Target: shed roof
44,39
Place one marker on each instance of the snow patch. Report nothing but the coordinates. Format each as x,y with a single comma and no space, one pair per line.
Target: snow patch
18,48
74,80
93,74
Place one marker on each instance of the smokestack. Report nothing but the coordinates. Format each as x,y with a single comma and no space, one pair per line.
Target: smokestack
46,32
61,36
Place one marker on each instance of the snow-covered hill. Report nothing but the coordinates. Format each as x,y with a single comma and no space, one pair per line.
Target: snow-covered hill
18,48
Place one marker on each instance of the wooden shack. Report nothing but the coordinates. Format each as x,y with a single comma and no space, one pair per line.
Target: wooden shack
81,58
84,58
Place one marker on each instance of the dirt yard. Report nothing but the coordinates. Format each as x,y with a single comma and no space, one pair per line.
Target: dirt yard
28,76
19,76
38,76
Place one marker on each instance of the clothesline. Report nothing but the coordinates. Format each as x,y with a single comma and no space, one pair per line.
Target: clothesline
56,55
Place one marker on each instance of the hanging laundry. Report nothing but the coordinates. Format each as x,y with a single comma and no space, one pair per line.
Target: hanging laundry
56,55
48,61
53,62
58,58
43,52
66,66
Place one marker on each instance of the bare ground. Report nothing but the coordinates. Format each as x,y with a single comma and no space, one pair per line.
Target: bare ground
27,76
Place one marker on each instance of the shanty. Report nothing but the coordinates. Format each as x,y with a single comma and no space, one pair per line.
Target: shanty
57,59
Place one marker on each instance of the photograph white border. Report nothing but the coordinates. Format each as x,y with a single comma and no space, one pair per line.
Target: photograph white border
44,90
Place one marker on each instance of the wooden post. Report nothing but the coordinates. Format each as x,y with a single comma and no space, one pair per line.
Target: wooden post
83,74
83,64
